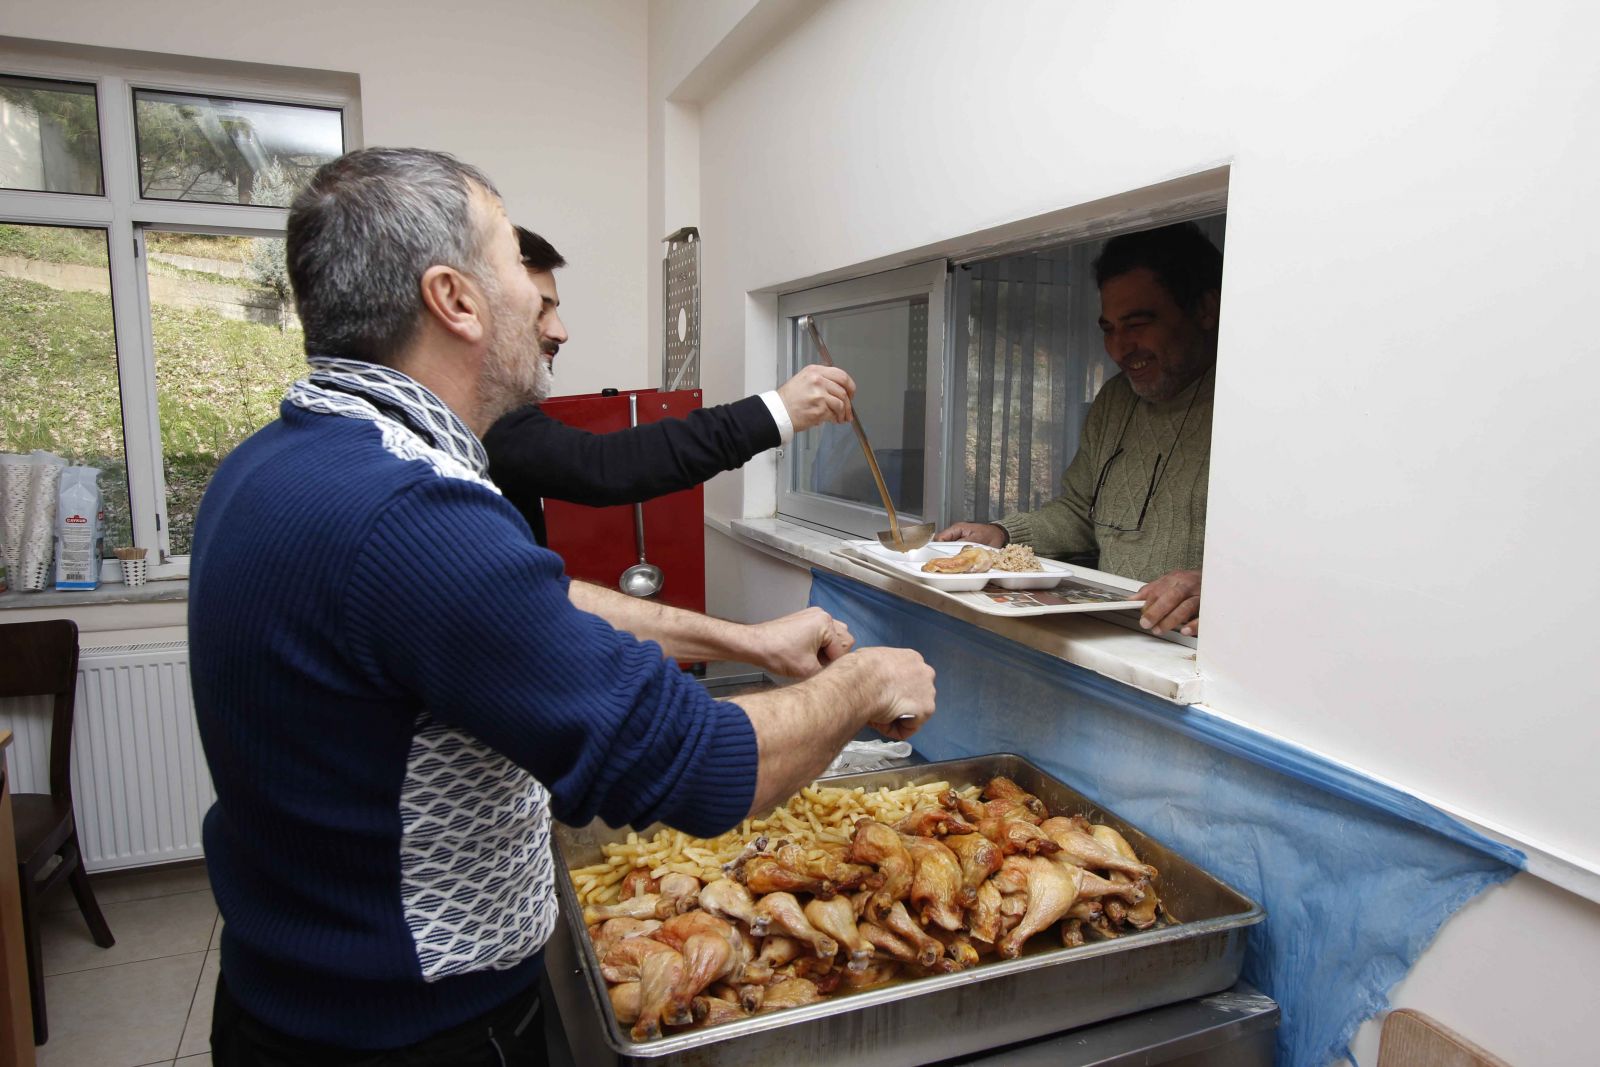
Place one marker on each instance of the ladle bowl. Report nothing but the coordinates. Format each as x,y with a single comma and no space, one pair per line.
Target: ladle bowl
641,580
911,537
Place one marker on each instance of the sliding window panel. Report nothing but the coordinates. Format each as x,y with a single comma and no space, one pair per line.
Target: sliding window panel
887,331
224,150
58,358
227,345
49,136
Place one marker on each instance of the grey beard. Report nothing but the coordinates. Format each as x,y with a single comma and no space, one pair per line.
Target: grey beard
505,386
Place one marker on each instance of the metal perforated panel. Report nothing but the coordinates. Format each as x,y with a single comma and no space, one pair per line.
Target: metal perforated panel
680,288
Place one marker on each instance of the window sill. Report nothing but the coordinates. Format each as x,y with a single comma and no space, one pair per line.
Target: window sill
108,593
1163,668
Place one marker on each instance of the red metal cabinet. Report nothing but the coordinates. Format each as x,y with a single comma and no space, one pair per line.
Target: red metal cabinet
598,543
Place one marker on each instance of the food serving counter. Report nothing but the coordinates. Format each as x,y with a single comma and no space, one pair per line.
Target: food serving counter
966,1016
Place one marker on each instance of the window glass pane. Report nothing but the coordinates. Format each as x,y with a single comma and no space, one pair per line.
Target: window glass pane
227,345
58,357
49,136
226,151
884,346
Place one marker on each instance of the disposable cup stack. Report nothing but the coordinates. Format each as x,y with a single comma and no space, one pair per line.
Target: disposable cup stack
16,476
39,522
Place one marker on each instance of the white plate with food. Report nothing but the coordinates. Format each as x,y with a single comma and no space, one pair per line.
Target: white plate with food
962,566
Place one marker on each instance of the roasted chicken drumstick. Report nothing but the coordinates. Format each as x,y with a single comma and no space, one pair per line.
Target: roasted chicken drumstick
969,560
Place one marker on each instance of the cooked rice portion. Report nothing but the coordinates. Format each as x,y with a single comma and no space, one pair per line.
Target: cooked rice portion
1017,558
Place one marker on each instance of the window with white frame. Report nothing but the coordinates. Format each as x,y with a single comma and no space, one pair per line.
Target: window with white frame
146,325
977,431
887,331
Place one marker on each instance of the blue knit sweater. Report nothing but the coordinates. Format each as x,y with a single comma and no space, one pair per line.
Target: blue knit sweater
395,695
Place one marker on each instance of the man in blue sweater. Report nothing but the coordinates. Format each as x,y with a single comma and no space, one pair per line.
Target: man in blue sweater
397,689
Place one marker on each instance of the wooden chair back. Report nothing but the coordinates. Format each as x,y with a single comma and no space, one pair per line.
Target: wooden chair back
41,659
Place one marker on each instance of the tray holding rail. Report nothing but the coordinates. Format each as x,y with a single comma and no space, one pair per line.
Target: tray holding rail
925,1020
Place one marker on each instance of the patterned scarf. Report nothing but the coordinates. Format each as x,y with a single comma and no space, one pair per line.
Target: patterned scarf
387,392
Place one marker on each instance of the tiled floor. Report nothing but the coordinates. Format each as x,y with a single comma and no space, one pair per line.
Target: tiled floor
147,999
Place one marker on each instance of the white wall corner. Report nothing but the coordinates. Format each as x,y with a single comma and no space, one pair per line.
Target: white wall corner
694,48
697,47
674,193
760,372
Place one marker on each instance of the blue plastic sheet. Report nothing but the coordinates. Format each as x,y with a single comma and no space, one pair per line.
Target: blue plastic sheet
1356,877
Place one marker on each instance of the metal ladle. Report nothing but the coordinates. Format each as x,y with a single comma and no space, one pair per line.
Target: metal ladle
896,537
643,579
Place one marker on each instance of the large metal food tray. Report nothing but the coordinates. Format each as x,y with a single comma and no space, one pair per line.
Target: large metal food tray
926,1020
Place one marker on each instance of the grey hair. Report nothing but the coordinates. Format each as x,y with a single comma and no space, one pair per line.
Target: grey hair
362,233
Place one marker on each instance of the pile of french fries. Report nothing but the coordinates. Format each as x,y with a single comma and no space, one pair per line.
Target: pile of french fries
815,816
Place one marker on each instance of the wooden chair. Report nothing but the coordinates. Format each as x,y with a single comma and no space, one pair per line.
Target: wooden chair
41,659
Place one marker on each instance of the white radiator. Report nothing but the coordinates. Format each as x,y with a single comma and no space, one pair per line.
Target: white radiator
139,778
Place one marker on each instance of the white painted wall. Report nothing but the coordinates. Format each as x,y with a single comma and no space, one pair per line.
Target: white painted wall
1403,399
1403,428
546,96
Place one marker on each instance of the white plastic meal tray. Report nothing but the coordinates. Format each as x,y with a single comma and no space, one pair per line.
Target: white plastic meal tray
910,565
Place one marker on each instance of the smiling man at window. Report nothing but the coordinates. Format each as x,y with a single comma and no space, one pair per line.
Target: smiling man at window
1135,492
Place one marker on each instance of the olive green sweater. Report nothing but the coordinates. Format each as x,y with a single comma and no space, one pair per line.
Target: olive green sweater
1173,536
